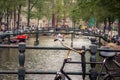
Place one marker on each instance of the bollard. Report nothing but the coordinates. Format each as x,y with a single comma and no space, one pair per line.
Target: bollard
93,72
21,70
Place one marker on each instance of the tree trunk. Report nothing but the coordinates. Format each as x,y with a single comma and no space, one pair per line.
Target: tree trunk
109,22
7,26
10,21
1,19
3,12
28,17
14,18
105,25
53,20
1,16
19,12
37,22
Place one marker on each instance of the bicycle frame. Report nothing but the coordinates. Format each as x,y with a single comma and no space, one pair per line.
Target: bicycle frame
111,73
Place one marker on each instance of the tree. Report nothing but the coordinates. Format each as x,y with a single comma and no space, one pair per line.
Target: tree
99,9
31,4
9,7
113,8
2,10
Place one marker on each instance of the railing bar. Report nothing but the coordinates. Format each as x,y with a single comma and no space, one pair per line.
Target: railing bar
56,48
40,32
39,72
74,62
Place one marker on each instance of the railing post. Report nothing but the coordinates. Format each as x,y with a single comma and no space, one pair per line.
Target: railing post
100,36
93,72
83,65
1,39
21,70
72,40
8,38
37,37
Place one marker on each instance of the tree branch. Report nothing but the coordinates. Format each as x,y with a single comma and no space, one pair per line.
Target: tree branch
33,4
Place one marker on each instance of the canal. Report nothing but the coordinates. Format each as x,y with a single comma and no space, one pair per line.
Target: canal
43,60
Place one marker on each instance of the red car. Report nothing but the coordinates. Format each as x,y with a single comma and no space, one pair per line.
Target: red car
21,38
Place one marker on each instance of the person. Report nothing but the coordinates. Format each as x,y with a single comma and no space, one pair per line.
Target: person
59,37
57,28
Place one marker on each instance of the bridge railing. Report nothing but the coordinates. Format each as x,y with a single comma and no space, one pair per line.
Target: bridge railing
38,32
92,72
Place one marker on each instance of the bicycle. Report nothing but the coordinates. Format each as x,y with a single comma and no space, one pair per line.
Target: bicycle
62,74
111,73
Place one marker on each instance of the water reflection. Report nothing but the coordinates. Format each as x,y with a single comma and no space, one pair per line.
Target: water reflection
42,60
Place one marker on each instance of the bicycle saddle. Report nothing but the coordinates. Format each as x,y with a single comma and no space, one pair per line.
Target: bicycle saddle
107,54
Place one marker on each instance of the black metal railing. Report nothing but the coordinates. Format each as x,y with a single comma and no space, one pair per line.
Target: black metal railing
92,72
38,32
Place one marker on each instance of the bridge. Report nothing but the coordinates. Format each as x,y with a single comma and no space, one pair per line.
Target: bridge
93,73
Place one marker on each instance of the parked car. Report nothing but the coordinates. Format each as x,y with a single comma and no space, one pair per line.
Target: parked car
21,38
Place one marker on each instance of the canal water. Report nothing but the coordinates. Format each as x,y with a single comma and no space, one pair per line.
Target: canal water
43,60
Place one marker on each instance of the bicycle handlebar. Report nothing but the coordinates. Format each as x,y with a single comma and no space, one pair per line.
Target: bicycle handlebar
60,38
63,44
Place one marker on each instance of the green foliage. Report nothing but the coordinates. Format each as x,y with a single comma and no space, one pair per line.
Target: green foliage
37,12
75,14
85,9
2,3
47,9
100,9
